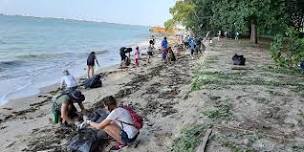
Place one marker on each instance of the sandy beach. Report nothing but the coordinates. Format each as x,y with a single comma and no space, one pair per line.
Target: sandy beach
254,107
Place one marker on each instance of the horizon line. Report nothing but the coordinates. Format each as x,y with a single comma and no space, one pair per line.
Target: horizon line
74,19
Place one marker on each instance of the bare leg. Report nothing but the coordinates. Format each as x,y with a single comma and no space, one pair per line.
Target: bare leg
114,131
89,72
92,70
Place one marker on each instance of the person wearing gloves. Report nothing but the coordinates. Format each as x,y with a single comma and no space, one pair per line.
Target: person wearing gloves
118,124
63,108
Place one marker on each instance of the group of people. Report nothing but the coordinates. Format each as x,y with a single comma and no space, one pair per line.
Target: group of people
195,46
168,55
119,123
125,55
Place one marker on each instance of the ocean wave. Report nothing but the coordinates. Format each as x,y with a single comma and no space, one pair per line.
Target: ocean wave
9,64
37,56
2,42
101,52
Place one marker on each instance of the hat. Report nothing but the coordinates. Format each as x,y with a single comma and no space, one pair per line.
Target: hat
77,96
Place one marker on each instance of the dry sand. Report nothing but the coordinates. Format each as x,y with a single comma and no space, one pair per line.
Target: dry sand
251,108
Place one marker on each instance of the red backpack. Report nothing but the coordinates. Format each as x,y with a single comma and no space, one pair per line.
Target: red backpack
137,120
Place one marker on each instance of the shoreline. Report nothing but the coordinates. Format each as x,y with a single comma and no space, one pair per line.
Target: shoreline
46,89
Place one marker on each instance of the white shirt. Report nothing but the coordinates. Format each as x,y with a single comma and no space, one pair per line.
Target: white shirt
69,81
121,114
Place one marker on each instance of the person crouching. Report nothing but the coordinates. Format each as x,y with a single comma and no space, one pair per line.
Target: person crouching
118,124
63,108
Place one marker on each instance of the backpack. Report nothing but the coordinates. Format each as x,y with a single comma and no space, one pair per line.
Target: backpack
94,82
238,60
137,120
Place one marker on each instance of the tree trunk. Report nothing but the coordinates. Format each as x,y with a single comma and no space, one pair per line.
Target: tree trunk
253,34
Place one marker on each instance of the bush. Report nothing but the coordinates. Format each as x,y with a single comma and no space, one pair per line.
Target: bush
288,49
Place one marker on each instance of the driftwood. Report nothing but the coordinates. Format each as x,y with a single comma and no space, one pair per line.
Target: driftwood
202,147
273,136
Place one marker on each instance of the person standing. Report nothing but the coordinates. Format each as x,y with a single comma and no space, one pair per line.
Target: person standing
136,56
68,82
237,36
219,35
91,63
191,46
150,52
164,45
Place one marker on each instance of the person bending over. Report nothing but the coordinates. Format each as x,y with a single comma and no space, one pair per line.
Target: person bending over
91,63
119,124
68,82
63,108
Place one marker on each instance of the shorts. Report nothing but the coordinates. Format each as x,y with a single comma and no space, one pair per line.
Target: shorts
125,139
90,64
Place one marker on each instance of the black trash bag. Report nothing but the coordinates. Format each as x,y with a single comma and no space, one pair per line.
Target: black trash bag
98,115
238,60
94,82
87,140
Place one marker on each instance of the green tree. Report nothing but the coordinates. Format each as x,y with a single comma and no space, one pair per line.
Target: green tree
248,14
182,13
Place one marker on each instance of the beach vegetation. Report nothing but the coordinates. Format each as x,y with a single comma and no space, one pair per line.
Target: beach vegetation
219,112
189,138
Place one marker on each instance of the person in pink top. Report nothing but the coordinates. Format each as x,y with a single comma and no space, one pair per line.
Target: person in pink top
136,56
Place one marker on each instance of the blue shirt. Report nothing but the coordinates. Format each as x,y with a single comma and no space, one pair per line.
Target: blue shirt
191,43
164,44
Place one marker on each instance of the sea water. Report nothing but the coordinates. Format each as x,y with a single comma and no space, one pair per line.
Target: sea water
34,51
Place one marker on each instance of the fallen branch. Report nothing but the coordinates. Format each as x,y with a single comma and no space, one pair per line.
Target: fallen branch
202,147
280,137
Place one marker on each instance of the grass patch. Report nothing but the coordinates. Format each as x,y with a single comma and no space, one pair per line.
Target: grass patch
281,70
203,78
189,139
221,111
236,141
262,100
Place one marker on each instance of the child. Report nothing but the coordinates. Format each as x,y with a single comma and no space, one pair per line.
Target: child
136,55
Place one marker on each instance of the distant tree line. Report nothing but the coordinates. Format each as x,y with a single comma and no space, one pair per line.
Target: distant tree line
283,20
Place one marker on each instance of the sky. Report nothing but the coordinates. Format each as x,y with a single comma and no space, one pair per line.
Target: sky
134,12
